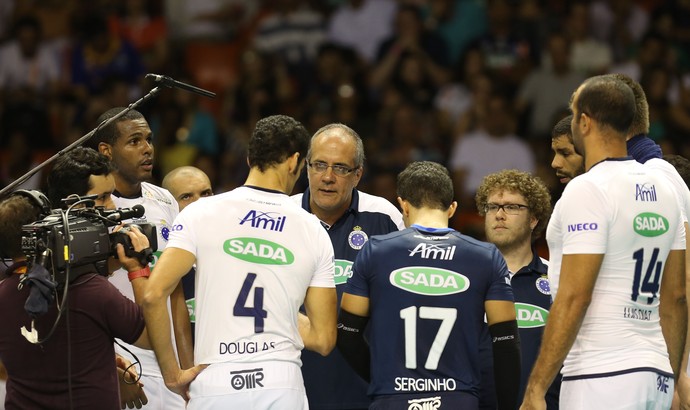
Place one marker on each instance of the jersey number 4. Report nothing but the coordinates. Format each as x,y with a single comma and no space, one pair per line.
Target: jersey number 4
447,317
652,277
257,311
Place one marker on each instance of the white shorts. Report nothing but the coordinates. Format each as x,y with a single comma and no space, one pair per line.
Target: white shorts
632,391
251,386
159,396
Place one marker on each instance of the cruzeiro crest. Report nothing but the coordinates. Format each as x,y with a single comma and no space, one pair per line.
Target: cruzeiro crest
543,285
357,238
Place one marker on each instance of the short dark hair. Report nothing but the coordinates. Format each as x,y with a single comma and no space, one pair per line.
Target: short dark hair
15,211
681,164
71,172
607,100
426,184
640,124
109,134
562,127
276,138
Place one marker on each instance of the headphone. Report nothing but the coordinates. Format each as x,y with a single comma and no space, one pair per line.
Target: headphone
37,198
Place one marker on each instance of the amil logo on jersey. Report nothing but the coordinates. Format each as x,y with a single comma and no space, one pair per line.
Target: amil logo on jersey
271,221
433,251
645,193
429,281
257,250
650,224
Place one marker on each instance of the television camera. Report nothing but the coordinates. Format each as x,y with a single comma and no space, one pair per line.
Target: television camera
74,242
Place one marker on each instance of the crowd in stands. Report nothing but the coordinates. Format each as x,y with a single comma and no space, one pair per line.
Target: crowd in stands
474,84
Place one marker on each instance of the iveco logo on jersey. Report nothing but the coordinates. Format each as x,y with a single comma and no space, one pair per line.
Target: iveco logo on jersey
650,224
645,193
429,281
587,226
272,221
256,250
432,251
529,315
343,271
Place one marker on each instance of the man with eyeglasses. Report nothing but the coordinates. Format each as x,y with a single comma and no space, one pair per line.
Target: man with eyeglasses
516,208
334,168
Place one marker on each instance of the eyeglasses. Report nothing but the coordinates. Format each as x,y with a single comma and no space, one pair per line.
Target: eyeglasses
510,209
339,170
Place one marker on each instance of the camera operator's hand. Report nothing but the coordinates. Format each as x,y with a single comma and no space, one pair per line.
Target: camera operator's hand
131,393
139,243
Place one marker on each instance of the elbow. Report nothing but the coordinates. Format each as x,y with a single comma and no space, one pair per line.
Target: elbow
327,344
151,297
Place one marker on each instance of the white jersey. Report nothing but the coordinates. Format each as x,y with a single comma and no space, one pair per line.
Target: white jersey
630,213
256,252
160,210
682,191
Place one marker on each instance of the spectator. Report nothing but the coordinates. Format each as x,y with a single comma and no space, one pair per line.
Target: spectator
362,25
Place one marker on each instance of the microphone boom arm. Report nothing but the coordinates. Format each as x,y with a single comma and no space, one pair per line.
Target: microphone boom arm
78,142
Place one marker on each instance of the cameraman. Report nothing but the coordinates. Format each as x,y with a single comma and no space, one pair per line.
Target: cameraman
85,172
74,369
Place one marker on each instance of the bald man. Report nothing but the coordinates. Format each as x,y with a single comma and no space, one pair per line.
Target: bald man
187,184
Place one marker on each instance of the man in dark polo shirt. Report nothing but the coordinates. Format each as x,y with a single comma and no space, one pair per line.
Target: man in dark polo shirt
334,167
516,207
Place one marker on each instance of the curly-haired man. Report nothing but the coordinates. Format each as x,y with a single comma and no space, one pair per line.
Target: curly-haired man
516,207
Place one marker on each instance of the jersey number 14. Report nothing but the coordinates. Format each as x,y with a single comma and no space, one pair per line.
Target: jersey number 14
652,277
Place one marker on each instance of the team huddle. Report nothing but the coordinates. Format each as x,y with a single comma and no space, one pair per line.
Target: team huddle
337,299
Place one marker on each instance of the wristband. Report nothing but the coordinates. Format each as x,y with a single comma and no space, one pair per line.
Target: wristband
141,273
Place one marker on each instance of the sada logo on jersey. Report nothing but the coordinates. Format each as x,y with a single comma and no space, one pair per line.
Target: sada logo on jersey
529,315
343,271
429,281
650,224
257,250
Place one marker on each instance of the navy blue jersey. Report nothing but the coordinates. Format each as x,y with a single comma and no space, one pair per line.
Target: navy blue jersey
532,303
330,382
426,289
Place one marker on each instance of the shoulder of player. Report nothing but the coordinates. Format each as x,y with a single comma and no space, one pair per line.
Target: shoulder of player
297,198
373,203
156,193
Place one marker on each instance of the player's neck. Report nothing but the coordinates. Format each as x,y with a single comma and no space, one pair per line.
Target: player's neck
125,188
271,178
429,218
604,148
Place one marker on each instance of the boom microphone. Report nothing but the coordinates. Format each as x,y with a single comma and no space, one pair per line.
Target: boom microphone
118,215
172,83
